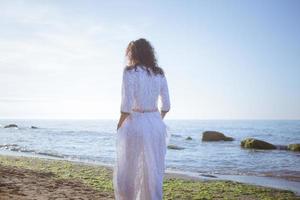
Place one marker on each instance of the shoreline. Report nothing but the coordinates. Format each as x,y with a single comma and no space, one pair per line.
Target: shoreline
281,183
263,181
97,180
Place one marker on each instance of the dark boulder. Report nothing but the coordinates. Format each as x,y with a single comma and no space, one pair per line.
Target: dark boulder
294,147
251,143
175,147
34,127
11,126
208,175
215,136
188,138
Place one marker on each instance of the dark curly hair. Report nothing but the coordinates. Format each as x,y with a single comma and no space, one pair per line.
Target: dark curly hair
141,52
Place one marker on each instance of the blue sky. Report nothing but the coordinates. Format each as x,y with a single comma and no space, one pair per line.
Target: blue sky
223,59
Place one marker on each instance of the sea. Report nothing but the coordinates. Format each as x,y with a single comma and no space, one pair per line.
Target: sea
93,141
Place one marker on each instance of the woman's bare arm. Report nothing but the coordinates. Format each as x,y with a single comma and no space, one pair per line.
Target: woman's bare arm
163,113
122,118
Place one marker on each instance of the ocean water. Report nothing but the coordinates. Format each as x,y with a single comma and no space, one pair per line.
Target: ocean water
94,141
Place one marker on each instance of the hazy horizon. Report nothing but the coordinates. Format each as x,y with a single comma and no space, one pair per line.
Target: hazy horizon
224,60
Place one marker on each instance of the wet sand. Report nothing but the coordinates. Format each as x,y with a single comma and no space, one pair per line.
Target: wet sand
17,183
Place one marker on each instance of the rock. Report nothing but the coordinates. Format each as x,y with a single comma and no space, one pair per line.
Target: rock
215,136
175,135
11,126
175,147
208,175
34,127
6,146
188,138
228,138
294,147
252,143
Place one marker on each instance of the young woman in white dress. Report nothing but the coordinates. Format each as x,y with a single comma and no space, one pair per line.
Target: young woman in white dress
142,136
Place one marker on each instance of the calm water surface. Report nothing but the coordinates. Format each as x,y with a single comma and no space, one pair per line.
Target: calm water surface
94,141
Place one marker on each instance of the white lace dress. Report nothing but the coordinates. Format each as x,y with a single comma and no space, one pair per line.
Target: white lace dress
142,139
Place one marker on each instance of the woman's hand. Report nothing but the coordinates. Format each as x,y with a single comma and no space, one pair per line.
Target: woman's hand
163,113
119,125
122,118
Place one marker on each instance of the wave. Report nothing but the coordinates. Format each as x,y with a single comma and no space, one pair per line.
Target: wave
17,148
176,135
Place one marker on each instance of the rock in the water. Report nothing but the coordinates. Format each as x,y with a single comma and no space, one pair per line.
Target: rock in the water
209,175
175,147
188,138
228,138
11,126
6,146
294,147
215,136
34,127
175,135
252,143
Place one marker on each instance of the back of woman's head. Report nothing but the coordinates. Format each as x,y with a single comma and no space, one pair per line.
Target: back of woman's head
141,52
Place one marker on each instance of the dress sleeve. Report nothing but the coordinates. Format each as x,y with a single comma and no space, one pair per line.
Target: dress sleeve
164,94
127,92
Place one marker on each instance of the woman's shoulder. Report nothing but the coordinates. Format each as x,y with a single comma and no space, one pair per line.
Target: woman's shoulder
135,69
141,69
129,70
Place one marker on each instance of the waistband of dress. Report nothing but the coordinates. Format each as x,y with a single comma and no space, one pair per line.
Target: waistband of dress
145,111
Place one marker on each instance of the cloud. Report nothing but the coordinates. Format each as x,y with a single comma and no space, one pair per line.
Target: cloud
41,37
50,39
51,61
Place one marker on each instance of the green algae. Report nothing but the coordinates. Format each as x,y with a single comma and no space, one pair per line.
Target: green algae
100,178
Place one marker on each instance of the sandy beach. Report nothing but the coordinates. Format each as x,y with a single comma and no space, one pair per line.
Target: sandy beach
17,183
38,178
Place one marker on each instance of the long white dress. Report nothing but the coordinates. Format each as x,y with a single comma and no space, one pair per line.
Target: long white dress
142,139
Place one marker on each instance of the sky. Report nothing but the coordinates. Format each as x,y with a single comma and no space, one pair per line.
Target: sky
223,59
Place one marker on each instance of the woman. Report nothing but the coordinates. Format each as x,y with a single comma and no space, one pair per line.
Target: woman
142,136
